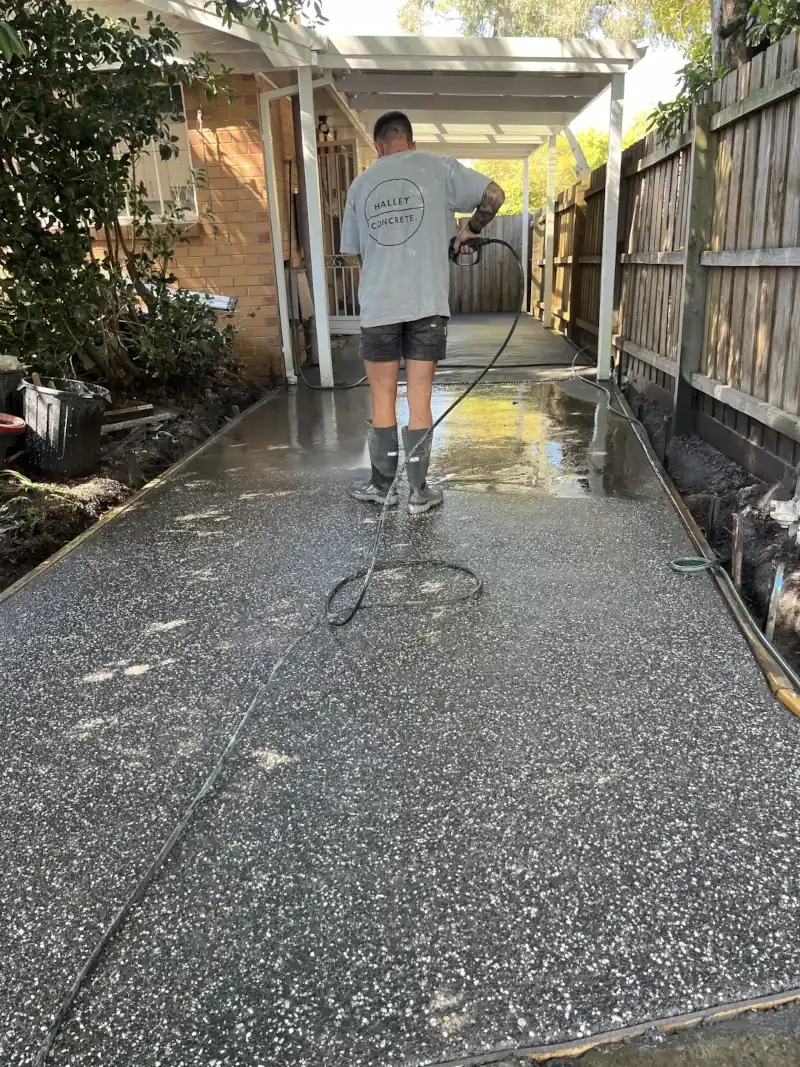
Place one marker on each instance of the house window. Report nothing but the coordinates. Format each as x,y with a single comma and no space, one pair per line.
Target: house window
171,184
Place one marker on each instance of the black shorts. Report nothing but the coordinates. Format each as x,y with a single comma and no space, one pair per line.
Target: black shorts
424,339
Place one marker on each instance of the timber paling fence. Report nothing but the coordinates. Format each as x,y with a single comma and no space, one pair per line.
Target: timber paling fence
492,285
707,285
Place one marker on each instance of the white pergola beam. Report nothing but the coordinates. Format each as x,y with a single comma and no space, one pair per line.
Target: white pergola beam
294,42
343,104
477,66
479,151
513,105
319,280
608,263
454,84
503,120
293,90
582,168
499,49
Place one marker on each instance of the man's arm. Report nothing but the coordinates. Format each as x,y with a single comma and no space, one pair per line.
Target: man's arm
492,201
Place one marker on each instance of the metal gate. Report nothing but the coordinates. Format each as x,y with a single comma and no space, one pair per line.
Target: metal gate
338,166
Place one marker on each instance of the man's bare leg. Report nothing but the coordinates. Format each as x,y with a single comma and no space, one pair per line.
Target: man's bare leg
382,378
383,439
416,437
419,375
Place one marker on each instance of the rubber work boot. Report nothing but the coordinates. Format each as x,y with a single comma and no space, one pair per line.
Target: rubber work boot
422,497
383,450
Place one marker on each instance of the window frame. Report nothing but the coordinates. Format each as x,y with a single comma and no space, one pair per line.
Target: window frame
189,217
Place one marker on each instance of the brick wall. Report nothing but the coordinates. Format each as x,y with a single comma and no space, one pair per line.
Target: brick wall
231,251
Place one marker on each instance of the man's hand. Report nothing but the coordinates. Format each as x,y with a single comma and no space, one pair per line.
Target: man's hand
464,236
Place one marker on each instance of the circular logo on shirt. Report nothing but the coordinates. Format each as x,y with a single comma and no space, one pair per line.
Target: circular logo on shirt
394,211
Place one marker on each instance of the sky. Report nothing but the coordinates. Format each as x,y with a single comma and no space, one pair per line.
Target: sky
650,81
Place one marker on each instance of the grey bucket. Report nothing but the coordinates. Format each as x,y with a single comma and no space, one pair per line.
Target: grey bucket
65,422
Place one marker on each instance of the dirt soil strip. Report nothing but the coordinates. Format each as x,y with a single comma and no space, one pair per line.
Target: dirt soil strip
64,524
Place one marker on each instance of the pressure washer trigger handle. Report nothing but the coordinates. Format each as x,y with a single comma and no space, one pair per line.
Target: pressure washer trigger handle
470,245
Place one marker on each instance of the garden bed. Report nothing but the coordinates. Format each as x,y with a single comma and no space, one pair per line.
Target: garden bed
38,517
715,490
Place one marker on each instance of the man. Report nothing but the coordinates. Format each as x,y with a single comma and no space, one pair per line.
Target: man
398,218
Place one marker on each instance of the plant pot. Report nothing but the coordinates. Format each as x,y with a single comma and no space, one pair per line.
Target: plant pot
11,431
10,395
65,422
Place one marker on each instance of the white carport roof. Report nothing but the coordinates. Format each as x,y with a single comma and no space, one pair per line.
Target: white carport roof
466,96
472,97
491,97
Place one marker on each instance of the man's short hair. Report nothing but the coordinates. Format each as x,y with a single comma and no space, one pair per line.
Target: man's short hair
392,125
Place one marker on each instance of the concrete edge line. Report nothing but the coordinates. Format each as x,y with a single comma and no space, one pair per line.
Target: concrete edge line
115,513
670,1024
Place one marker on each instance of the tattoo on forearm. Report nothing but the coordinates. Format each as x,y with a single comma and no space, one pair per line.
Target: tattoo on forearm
487,209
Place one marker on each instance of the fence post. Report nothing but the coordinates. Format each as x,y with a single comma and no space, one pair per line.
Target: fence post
549,232
608,263
691,327
526,229
577,250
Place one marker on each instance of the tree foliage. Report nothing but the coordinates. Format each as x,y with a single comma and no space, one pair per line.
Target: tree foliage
10,44
78,110
771,20
714,54
679,21
508,172
267,15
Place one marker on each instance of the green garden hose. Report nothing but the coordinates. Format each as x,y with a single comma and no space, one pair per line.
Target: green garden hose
700,565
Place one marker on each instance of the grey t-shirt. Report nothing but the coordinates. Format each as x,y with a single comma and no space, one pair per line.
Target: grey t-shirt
399,219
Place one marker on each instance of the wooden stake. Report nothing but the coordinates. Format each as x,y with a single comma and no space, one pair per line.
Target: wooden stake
713,510
774,601
738,549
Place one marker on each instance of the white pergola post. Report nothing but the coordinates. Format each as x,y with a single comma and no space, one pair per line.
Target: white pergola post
549,231
273,200
308,125
610,221
526,228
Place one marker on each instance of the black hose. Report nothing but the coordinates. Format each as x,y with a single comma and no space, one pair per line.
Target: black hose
342,618
140,889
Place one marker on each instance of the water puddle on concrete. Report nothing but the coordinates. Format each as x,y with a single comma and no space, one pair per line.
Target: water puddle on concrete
537,438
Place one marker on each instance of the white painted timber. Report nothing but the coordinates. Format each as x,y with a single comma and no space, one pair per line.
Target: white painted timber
308,126
610,222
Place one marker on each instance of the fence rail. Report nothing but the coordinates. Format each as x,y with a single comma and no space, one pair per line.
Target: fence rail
707,283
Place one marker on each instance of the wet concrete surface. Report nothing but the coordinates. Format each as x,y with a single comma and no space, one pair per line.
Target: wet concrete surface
472,341
567,807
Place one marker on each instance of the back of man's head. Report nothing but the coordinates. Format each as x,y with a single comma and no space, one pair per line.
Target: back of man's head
392,130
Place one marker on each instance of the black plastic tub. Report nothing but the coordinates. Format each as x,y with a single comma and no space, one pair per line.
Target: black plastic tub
10,395
65,422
